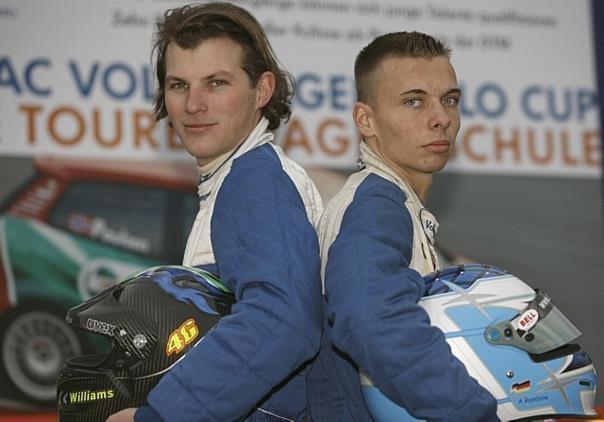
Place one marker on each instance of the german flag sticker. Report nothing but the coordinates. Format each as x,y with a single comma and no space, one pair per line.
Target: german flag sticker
522,387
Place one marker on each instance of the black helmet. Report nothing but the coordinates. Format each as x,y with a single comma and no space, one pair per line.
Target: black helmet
152,319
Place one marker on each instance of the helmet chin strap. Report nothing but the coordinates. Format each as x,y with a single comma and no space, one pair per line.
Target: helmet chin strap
123,365
119,384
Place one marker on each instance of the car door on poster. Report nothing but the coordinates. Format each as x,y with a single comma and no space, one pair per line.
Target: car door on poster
72,230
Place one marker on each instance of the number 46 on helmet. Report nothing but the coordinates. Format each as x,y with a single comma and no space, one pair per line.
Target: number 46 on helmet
152,319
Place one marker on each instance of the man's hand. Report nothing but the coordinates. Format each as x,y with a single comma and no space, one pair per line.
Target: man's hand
124,415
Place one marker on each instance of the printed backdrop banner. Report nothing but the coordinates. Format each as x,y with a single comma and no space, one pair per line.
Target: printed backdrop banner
76,79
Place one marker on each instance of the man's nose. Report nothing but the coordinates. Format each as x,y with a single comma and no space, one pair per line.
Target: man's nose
440,116
197,100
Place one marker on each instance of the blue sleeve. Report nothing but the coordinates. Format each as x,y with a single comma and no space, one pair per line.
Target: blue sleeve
372,306
267,253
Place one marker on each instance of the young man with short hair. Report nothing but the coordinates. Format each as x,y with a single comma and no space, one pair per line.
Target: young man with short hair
377,241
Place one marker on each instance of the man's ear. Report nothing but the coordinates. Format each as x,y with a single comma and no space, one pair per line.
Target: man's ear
362,114
265,89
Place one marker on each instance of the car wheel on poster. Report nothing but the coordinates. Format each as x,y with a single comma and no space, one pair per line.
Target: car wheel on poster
35,341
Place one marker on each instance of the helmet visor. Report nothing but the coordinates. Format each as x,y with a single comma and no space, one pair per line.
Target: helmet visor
537,329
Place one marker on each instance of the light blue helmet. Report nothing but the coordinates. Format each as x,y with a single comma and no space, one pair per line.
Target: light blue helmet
511,339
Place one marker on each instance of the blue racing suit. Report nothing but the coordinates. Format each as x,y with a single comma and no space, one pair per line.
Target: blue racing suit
376,244
255,230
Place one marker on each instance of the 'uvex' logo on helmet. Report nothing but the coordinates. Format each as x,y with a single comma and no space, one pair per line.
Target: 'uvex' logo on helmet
100,327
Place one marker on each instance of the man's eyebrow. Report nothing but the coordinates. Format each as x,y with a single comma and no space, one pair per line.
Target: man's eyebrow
220,73
414,91
455,91
418,91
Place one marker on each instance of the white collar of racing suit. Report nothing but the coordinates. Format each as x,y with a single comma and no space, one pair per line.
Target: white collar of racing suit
372,162
429,223
257,137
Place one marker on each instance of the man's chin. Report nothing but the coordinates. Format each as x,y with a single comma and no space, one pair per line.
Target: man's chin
437,166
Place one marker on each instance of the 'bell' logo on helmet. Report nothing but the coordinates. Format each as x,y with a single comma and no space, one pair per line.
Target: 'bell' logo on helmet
528,319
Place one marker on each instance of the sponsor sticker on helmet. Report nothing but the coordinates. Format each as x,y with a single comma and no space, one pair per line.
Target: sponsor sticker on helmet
521,387
181,337
100,327
85,396
527,320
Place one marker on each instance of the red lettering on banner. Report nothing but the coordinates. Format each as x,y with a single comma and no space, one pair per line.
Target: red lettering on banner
592,148
547,157
296,137
70,127
541,147
467,146
144,123
342,141
567,157
331,138
30,114
108,143
502,144
76,117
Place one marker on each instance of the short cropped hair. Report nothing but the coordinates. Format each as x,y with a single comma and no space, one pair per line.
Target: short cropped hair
190,25
396,44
